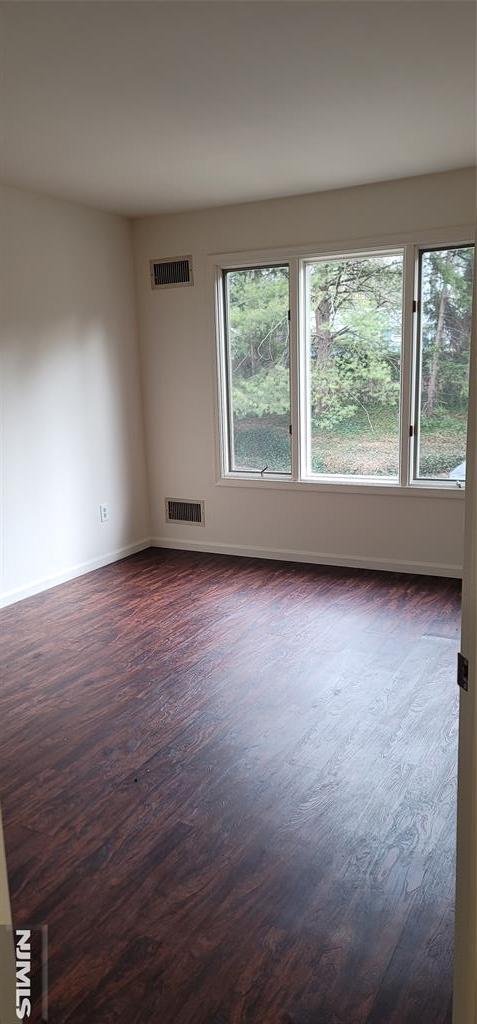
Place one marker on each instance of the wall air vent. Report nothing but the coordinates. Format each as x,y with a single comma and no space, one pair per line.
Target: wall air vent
183,510
171,273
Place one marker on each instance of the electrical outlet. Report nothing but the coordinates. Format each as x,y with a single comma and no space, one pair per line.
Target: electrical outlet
103,513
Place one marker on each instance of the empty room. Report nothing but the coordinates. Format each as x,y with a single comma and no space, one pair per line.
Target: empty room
238,533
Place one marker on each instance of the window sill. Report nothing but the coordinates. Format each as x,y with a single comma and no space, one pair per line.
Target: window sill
395,490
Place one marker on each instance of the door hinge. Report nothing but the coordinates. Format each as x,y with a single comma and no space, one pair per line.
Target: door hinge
290,430
411,431
462,671
415,305
289,315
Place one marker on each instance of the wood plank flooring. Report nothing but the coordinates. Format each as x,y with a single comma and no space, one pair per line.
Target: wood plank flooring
228,789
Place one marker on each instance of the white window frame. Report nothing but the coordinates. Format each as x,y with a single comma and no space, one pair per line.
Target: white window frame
305,473
297,257
227,442
416,480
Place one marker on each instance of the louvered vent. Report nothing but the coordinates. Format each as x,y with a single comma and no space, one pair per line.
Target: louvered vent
171,273
185,511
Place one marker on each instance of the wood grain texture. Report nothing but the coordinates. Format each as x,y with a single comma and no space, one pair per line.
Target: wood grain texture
228,789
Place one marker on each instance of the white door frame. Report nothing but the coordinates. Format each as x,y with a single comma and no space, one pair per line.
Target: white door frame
7,962
465,966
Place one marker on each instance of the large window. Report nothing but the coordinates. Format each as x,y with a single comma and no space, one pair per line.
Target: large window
347,368
353,346
445,312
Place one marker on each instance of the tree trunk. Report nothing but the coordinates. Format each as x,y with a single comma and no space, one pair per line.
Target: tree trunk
432,382
322,341
323,330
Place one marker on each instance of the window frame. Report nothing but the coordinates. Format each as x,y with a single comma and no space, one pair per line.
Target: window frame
255,473
296,258
417,480
306,473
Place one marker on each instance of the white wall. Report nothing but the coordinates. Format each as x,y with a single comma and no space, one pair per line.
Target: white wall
177,342
71,404
72,431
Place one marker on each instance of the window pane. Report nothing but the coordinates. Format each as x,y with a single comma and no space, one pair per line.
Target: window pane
446,312
257,339
354,334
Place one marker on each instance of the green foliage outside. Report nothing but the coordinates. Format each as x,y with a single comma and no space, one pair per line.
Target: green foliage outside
263,442
257,305
354,332
447,279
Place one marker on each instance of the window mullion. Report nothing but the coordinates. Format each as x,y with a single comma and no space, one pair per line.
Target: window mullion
294,370
407,366
304,422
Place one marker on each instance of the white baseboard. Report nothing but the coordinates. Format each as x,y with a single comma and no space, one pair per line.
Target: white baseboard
279,554
315,558
37,586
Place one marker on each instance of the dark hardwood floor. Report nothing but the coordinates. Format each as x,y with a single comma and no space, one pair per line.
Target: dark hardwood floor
228,789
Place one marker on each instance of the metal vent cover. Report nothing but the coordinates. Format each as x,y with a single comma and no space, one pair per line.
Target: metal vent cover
185,510
170,273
